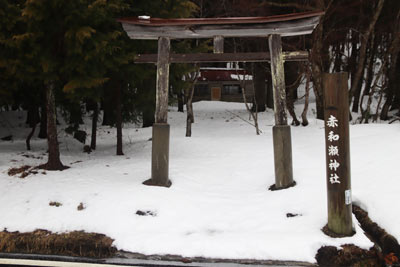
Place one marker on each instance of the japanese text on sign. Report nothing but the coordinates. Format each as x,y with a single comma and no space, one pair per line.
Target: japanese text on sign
333,150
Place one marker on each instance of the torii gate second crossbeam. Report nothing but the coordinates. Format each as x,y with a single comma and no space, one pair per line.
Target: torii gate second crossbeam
273,27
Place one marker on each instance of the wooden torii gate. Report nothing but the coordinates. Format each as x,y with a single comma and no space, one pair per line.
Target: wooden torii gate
273,28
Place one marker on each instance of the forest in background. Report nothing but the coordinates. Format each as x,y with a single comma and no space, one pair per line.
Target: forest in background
73,56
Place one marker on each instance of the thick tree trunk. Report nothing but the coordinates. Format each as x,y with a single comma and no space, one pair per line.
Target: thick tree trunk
54,162
119,118
259,77
94,125
43,118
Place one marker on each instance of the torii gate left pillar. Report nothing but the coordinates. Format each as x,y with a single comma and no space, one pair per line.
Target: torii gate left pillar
281,131
161,129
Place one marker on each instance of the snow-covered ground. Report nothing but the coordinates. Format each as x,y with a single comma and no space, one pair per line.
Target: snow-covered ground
219,204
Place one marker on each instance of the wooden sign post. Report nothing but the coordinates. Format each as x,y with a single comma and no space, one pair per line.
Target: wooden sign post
337,155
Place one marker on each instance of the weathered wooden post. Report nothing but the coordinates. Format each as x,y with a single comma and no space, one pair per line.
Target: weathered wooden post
337,155
281,131
161,129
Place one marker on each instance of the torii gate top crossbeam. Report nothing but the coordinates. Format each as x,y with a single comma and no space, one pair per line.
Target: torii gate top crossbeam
284,25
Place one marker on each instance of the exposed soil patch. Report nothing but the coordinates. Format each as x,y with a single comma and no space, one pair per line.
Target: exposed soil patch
389,245
386,251
349,255
23,170
80,206
69,244
55,204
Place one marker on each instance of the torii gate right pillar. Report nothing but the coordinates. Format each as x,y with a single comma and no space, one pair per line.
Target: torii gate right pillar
281,130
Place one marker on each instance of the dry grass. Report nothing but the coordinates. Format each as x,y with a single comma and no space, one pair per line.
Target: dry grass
76,243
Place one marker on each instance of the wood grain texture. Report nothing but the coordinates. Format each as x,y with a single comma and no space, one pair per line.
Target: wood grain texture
223,57
278,79
288,28
336,104
161,114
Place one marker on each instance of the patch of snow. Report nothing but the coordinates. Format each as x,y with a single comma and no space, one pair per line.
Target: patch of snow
219,204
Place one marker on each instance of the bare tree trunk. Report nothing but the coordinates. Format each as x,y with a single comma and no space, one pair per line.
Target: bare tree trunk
393,54
357,95
317,58
34,123
378,76
292,81
337,65
306,98
317,69
94,125
180,101
32,115
369,76
254,115
396,82
192,78
119,118
43,118
189,110
54,162
108,105
363,50
375,117
270,93
259,77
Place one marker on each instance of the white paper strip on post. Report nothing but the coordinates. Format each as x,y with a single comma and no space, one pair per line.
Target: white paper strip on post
347,197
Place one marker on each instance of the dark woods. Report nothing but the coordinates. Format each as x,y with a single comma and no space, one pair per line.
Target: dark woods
360,37
72,56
